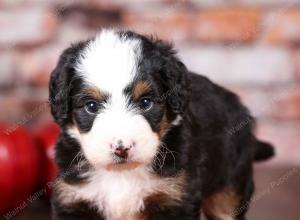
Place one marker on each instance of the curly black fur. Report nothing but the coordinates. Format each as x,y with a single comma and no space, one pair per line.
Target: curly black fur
204,146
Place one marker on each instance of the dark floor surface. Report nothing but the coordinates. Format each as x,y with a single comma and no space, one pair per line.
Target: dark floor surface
277,196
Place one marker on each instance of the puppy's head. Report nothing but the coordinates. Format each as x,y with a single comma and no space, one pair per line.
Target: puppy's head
118,95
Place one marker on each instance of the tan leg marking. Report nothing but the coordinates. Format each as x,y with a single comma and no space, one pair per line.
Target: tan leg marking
221,205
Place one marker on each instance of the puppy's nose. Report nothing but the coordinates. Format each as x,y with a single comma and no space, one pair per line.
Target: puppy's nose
121,150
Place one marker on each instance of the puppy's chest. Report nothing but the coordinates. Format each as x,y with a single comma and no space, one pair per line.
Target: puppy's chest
118,196
123,195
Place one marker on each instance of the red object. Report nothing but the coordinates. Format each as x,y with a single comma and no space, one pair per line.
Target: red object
7,171
45,139
26,163
19,162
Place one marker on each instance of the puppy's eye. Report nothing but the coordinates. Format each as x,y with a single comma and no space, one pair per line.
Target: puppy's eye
92,107
146,104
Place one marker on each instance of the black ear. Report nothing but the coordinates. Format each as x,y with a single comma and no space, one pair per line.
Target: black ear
61,84
174,75
59,93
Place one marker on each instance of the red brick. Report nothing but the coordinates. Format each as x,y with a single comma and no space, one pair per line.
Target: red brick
10,106
283,28
88,16
169,24
209,3
296,62
267,103
23,105
7,69
254,98
287,107
35,66
70,33
285,137
134,4
227,25
107,4
240,65
25,3
26,27
245,3
269,3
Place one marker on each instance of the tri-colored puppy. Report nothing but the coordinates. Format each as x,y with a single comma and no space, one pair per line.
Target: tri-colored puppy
144,138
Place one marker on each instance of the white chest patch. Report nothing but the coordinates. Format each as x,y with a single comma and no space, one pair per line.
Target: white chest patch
118,195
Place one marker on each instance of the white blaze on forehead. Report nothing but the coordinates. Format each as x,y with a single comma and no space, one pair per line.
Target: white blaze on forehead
109,61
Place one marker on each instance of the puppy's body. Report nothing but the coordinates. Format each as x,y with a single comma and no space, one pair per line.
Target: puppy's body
184,152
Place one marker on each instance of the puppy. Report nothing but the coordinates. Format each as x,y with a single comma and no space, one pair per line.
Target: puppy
144,138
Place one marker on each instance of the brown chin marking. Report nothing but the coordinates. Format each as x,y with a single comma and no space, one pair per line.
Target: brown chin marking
122,166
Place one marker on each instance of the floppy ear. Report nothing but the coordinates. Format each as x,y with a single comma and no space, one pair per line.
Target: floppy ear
59,93
175,78
60,85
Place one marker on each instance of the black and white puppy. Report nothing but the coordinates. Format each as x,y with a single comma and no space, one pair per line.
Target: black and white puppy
144,138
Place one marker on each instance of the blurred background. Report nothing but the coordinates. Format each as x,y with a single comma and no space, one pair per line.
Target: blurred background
251,47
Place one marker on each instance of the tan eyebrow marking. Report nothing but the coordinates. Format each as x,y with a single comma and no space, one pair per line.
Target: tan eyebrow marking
141,88
95,93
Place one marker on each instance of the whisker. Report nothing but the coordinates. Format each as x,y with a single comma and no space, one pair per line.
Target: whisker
77,156
168,151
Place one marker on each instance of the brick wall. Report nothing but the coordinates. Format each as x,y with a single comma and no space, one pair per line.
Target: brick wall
248,46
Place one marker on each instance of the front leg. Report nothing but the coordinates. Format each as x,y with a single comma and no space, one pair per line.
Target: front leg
79,211
189,210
